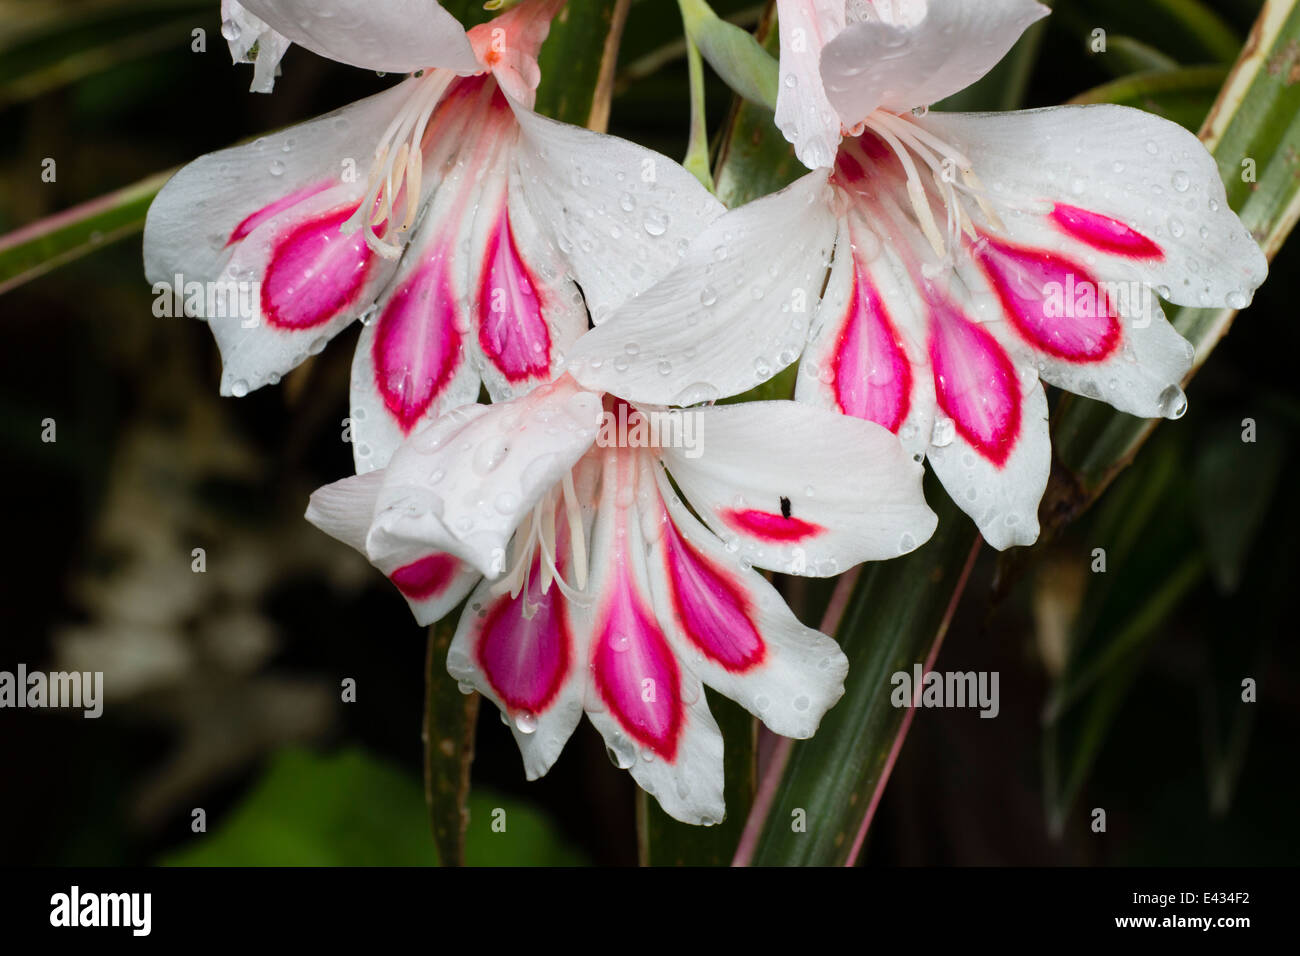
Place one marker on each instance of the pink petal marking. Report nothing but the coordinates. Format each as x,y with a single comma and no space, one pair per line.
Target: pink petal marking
1104,233
274,209
712,609
416,344
975,382
873,379
770,526
526,660
315,272
1053,302
427,577
636,673
848,170
512,330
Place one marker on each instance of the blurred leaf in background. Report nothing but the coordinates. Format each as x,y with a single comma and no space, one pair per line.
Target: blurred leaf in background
349,809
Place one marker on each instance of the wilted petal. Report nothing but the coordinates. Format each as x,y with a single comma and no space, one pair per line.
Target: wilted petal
244,33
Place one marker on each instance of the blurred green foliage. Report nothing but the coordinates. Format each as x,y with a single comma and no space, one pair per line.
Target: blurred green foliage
349,809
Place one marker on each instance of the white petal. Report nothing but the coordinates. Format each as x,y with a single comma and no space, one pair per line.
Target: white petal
413,361
989,442
396,36
345,509
734,629
730,316
479,292
1140,173
537,664
259,220
464,483
802,490
1143,378
647,704
918,53
975,406
866,354
529,311
432,583
620,215
1108,341
379,419
1002,498
803,113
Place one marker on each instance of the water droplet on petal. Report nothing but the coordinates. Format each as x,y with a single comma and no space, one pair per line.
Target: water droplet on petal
1172,402
525,722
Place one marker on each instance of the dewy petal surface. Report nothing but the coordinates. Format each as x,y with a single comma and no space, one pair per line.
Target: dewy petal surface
733,627
905,55
999,487
466,482
620,215
1126,194
649,707
866,354
478,295
397,36
1104,340
263,221
433,583
525,656
796,489
732,314
803,113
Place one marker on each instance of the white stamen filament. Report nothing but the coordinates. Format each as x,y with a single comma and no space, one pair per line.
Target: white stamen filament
915,191
917,139
397,167
535,538
900,131
574,515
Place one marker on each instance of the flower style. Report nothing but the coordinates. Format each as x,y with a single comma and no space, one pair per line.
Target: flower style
464,247
596,588
971,255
